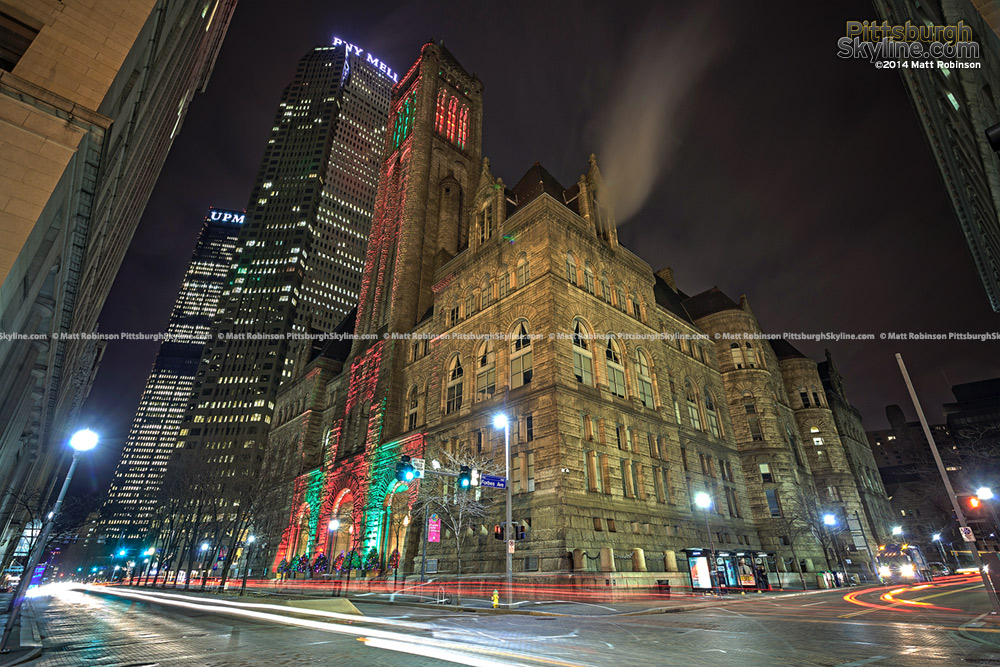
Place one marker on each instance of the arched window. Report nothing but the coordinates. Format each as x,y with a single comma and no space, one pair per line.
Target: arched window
583,358
455,383
570,268
616,371
439,117
486,292
712,415
523,273
605,288
622,305
817,438
737,354
816,401
451,130
486,371
751,356
645,377
588,278
503,278
804,395
753,419
692,403
413,402
470,303
636,310
520,357
486,222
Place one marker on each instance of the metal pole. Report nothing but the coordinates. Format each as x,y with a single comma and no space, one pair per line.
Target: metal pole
944,559
246,570
509,528
713,573
423,556
867,547
957,506
36,555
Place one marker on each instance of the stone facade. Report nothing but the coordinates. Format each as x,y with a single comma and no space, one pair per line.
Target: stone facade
624,403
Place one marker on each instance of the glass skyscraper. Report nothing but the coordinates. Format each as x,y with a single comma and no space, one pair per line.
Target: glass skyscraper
135,488
300,255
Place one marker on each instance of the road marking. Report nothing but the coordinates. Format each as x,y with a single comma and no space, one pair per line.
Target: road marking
858,663
813,604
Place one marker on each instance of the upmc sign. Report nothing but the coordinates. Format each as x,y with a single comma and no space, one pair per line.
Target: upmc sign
235,217
372,60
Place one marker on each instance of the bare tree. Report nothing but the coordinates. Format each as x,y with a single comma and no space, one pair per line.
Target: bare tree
458,509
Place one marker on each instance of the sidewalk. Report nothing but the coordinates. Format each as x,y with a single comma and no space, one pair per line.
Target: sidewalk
25,640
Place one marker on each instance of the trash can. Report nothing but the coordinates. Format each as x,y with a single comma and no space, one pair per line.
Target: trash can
663,588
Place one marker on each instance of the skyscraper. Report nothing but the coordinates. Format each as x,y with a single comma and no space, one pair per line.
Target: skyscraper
954,107
92,99
153,437
300,254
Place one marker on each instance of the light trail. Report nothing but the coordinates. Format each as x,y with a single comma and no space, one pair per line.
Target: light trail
211,606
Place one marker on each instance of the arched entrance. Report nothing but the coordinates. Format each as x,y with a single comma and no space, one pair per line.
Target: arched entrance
341,529
396,515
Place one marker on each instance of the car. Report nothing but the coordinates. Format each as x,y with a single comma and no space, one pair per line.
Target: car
939,569
969,570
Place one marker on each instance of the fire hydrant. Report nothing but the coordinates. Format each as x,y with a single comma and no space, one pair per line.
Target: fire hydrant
496,598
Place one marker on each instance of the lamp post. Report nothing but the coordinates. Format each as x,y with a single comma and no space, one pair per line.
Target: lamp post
81,441
957,506
704,501
829,520
897,531
246,563
204,569
936,537
501,421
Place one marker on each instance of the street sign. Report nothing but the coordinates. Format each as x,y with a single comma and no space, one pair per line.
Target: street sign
418,466
493,482
967,534
510,546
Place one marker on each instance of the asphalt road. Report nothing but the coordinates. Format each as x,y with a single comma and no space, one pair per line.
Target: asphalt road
882,627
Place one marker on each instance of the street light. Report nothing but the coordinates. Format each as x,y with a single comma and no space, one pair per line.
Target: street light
984,493
500,421
830,521
82,441
704,501
204,567
897,530
246,562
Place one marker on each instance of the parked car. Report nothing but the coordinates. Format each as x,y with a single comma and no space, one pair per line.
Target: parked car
939,569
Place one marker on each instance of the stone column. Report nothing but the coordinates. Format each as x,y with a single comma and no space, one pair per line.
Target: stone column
670,561
607,559
638,560
579,565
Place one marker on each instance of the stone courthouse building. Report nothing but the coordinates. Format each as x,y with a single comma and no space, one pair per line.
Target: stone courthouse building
626,396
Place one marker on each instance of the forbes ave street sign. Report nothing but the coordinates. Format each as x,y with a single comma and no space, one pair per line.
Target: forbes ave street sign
493,482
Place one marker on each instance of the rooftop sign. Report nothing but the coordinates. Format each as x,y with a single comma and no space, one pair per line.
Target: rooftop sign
372,60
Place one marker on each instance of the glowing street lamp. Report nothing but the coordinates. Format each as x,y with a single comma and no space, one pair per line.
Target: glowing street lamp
984,493
82,441
897,530
246,562
704,501
829,520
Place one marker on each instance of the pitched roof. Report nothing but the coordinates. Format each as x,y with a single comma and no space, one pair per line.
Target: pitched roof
537,180
785,350
710,301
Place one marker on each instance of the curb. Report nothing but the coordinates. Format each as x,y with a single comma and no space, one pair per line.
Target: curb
20,660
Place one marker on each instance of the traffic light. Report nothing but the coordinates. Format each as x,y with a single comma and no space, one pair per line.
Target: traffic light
404,470
974,502
464,477
520,531
474,477
498,531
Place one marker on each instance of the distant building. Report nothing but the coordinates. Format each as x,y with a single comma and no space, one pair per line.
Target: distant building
92,96
954,107
917,497
135,488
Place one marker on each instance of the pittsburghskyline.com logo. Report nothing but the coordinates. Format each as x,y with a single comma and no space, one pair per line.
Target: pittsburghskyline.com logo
910,45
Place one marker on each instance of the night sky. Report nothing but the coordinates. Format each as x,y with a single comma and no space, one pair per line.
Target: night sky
744,154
